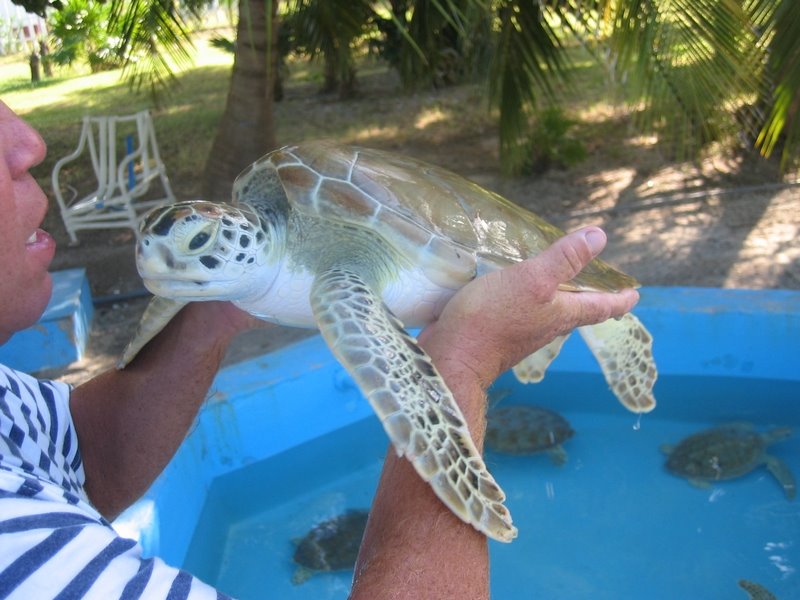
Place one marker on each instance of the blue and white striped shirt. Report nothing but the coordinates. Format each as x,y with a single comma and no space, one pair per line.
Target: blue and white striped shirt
53,543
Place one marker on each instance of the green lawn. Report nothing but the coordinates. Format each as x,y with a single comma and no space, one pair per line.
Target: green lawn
185,118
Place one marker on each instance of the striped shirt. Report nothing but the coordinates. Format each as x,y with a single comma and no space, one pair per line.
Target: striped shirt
53,543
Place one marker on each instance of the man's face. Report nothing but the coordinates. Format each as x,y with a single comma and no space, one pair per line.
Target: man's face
25,250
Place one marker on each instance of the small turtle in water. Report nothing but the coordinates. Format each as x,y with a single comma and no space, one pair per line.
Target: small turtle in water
331,545
361,244
726,452
526,429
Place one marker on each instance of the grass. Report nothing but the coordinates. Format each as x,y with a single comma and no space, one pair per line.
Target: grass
185,119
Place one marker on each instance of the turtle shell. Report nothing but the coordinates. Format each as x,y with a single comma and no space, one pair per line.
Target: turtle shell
439,220
332,545
718,453
525,429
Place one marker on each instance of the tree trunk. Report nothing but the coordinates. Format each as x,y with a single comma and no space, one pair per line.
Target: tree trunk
246,131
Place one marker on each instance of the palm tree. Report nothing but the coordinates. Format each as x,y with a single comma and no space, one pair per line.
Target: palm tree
691,64
246,131
155,29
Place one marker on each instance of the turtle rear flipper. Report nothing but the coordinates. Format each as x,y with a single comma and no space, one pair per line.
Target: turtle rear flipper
158,313
701,484
780,470
558,456
301,575
531,369
756,591
415,406
624,349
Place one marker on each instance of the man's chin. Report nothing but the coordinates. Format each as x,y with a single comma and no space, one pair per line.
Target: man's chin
27,309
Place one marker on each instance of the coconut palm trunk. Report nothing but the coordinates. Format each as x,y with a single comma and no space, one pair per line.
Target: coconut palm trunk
247,130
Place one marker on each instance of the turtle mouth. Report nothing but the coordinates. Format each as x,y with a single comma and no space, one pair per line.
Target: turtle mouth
190,289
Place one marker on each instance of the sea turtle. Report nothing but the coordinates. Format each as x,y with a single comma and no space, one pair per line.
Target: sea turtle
527,429
331,545
728,451
361,243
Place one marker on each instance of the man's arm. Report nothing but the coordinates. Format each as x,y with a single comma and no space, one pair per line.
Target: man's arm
130,422
414,547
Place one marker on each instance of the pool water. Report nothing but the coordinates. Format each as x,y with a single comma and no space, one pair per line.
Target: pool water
610,523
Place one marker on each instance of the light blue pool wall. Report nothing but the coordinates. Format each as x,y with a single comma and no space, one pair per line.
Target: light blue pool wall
272,403
61,334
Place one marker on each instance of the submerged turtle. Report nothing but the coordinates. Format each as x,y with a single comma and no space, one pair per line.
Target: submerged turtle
331,545
362,243
526,429
726,452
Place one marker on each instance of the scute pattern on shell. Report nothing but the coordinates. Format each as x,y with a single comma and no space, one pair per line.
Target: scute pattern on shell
437,218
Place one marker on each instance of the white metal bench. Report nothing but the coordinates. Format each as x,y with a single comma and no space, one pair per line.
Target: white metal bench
123,153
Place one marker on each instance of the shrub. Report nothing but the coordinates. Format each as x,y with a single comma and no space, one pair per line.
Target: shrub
80,33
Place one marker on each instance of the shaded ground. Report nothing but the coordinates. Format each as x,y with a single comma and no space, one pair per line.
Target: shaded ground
720,222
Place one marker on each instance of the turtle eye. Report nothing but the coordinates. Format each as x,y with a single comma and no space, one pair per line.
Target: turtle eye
199,240
202,239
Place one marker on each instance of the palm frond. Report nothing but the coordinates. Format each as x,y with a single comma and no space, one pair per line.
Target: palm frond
778,24
155,41
328,28
529,62
690,62
431,38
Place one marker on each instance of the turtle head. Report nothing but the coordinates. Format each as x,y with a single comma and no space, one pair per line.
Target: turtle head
200,250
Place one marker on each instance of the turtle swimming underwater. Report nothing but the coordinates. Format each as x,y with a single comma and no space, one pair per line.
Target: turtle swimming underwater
726,452
360,244
331,545
526,429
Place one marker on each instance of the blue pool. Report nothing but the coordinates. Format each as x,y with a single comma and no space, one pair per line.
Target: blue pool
286,441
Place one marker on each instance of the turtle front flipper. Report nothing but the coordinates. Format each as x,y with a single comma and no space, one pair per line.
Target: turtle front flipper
780,470
158,313
756,591
416,408
624,349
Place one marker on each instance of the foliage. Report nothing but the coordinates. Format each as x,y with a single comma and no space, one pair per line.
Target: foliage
690,65
528,61
551,143
693,62
779,27
80,32
328,28
155,40
433,42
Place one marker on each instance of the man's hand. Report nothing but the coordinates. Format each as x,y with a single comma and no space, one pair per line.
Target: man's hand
500,318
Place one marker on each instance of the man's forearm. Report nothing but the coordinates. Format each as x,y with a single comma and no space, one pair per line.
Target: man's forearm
411,533
131,422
